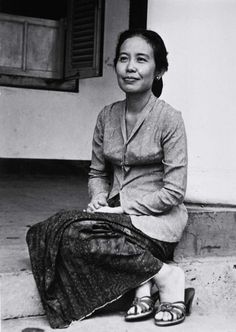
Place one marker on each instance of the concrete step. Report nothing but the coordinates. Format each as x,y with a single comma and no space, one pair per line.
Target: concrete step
115,323
213,278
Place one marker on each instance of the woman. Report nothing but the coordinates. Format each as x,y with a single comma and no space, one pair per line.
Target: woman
82,261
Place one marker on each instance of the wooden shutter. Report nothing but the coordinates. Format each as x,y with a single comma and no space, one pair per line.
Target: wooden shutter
84,39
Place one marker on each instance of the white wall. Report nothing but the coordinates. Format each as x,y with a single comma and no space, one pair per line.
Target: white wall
59,125
201,82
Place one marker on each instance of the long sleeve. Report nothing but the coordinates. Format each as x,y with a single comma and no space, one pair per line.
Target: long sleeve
99,181
174,147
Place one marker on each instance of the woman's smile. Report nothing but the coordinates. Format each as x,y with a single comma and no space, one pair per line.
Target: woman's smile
130,79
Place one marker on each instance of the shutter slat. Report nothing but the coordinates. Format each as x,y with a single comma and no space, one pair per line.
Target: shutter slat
78,61
82,39
83,10
86,34
83,45
82,15
81,57
83,4
83,65
84,27
83,52
84,20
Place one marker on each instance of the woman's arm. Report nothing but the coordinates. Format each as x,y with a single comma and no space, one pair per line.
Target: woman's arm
99,178
174,145
99,175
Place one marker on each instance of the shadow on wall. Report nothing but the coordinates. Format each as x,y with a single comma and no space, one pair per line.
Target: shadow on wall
44,167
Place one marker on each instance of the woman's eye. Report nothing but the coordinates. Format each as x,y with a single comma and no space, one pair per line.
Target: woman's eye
141,59
123,58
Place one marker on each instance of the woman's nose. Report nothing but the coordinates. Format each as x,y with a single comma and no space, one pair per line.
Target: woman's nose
131,66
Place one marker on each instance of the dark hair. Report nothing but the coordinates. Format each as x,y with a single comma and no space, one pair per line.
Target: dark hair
159,51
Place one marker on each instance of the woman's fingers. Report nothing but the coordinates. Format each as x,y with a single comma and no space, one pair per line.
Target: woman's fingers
91,207
97,203
101,200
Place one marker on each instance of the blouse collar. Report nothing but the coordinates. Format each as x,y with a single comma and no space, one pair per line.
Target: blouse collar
142,116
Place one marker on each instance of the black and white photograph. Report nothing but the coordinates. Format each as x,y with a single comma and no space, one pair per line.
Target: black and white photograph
117,165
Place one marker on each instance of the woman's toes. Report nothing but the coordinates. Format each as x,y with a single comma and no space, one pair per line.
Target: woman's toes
159,316
131,311
175,316
139,310
166,316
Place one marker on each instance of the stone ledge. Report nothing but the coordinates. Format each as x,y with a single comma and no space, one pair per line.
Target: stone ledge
209,232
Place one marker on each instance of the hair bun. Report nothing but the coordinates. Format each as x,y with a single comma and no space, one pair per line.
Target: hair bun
157,86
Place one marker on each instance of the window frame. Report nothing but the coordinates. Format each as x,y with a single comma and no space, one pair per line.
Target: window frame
69,80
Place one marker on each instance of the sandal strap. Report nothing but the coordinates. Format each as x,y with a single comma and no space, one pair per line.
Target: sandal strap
145,303
146,299
173,307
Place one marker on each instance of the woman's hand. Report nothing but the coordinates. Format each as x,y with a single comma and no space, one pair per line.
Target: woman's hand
97,202
108,209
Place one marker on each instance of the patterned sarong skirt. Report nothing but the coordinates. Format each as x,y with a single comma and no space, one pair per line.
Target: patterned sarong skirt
83,262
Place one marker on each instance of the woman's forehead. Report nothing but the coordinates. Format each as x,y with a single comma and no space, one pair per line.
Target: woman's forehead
136,44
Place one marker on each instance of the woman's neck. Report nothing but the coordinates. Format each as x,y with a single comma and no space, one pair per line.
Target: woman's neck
136,102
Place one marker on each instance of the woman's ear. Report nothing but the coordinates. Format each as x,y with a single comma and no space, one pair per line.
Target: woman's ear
159,74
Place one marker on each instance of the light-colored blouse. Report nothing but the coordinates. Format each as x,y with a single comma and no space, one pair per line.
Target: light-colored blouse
148,169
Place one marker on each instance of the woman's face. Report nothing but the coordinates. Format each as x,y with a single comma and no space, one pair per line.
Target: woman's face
135,68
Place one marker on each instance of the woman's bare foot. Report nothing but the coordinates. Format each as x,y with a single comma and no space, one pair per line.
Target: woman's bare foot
170,281
143,290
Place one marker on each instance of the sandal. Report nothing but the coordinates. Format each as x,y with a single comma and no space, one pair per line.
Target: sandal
143,308
178,310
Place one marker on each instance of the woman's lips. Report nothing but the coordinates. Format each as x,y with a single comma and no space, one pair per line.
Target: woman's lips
130,79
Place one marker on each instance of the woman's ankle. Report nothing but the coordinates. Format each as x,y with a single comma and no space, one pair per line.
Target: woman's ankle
143,290
170,281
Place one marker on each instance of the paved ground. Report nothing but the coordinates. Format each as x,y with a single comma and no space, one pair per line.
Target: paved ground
115,323
25,201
